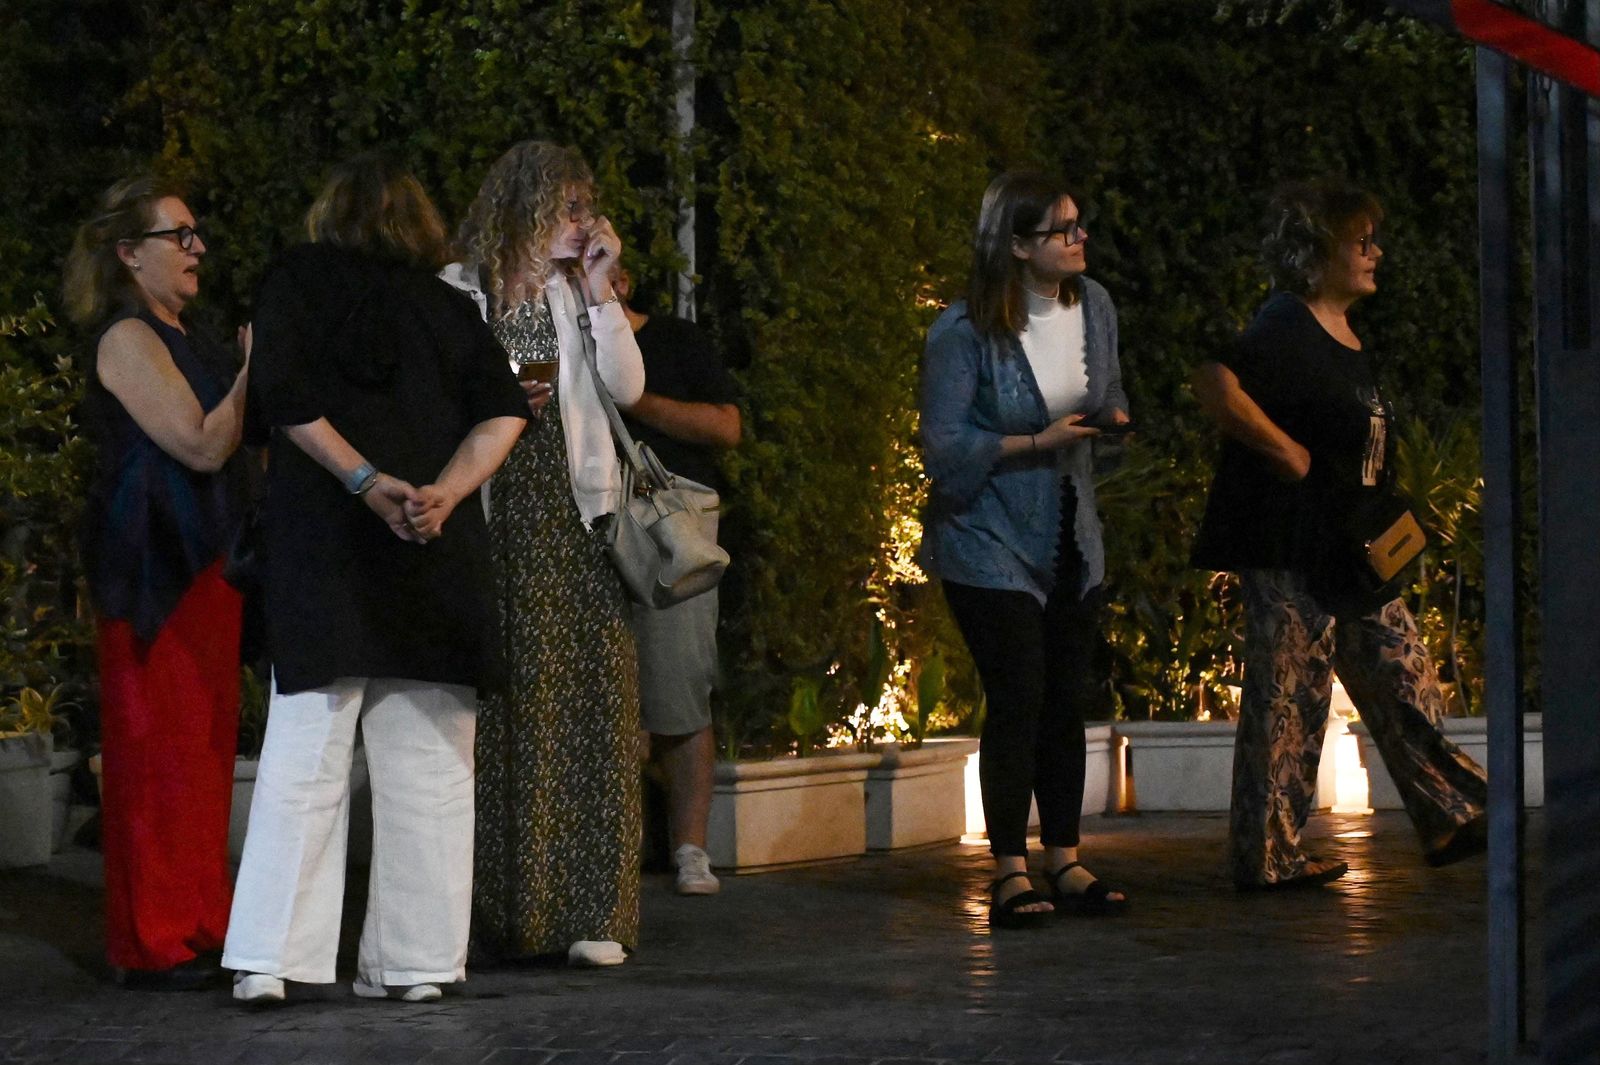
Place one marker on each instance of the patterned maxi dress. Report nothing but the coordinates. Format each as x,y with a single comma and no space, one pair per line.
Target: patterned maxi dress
558,816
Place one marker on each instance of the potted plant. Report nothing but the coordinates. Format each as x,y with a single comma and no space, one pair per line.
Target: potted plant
27,819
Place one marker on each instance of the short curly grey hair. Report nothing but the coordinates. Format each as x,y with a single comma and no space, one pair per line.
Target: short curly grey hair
1305,224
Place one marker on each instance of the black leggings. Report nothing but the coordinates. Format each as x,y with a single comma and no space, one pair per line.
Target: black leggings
1036,663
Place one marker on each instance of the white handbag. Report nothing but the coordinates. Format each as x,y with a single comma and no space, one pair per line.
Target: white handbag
663,539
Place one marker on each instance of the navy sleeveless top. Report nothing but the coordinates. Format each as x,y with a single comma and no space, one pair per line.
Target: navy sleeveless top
151,524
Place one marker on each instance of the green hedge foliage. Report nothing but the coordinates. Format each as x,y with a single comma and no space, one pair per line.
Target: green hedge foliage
842,150
1178,123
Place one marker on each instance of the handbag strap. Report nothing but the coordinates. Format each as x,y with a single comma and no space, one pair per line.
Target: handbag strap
647,469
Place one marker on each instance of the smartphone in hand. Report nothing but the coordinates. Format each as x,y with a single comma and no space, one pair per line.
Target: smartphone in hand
1109,428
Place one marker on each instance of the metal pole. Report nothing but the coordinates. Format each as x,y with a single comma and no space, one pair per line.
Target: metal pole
1562,135
1503,637
683,73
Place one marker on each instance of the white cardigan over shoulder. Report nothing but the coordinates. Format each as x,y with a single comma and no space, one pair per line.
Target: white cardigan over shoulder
592,461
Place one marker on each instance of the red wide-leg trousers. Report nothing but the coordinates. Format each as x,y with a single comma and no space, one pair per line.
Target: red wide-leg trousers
169,719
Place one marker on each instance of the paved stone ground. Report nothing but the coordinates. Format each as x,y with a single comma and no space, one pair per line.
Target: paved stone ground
883,960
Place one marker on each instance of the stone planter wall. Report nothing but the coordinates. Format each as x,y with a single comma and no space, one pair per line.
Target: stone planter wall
788,811
918,795
1102,770
27,826
1179,765
62,763
1471,734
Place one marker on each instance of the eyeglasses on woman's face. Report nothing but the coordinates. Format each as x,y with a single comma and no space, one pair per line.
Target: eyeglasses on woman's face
182,236
581,211
1368,243
1071,231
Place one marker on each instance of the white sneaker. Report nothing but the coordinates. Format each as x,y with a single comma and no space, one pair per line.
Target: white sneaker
257,989
694,871
406,993
593,953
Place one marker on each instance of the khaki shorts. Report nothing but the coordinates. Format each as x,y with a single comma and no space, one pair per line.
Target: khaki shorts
677,663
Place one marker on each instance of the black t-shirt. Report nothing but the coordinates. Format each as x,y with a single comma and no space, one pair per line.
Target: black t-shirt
1325,396
402,365
681,364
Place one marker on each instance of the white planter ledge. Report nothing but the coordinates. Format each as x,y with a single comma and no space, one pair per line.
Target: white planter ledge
788,811
26,818
1471,734
1179,765
917,795
62,763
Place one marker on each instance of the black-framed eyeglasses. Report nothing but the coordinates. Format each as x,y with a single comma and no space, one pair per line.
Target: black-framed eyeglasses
1366,242
580,211
183,236
1073,232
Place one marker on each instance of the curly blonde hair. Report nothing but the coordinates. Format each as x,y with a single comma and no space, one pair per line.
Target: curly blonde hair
519,208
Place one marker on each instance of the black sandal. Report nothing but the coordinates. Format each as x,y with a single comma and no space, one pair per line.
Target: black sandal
1009,914
1093,901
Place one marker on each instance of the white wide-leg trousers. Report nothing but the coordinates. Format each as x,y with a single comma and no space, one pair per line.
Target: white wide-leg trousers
287,900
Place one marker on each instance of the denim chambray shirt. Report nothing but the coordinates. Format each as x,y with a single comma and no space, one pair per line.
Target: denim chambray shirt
992,523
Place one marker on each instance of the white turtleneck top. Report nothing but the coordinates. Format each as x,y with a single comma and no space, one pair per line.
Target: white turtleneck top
1053,342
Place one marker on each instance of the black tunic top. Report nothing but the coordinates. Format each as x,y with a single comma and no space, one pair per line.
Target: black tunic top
151,524
1325,396
403,367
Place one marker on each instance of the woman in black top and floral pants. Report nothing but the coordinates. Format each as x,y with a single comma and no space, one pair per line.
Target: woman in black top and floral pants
1305,464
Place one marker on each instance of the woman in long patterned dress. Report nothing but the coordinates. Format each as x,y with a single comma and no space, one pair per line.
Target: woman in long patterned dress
557,862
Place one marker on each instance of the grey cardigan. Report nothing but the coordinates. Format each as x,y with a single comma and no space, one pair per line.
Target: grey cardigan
994,523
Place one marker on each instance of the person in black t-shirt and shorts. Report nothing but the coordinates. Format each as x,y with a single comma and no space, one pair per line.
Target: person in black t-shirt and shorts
688,412
1306,463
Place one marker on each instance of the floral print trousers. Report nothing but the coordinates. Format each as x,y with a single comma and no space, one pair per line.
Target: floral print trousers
1289,658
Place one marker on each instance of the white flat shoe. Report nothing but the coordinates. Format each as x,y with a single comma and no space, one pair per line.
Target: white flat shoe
409,993
257,989
594,953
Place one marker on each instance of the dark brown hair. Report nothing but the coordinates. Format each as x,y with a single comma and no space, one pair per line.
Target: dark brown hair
1013,206
96,281
374,204
1306,222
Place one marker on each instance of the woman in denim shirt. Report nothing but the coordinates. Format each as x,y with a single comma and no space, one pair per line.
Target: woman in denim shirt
1014,379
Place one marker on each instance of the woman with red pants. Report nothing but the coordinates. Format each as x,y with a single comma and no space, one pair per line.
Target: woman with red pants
165,410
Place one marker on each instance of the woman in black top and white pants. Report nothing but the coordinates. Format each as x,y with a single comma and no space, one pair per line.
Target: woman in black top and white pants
377,378
1308,447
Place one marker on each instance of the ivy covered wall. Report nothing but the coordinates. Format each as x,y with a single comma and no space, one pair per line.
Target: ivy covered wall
842,149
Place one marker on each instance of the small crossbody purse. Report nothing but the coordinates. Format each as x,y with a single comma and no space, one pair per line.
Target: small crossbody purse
1394,548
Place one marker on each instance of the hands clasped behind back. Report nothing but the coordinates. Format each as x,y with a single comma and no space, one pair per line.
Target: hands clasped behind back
390,498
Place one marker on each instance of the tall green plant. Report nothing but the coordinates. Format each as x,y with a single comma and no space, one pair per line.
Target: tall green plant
44,637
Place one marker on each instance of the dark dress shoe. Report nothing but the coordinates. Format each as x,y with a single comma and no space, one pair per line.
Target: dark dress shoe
1470,839
197,975
1317,871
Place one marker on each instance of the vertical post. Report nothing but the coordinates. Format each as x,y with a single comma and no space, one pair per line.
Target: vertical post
683,77
1501,493
1562,138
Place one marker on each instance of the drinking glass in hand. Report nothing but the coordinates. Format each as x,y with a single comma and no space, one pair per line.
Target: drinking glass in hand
535,369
